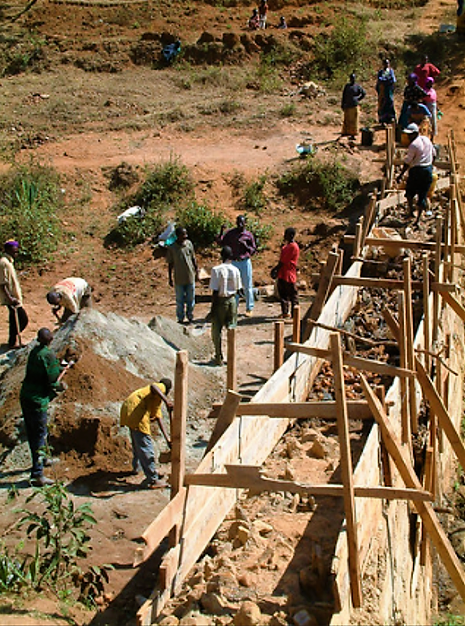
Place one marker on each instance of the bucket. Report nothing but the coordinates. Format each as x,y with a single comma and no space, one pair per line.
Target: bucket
367,137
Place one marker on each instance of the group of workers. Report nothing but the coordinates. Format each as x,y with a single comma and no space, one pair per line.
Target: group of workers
258,19
230,278
417,123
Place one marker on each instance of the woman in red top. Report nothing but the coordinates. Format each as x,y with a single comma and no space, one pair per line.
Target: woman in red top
287,272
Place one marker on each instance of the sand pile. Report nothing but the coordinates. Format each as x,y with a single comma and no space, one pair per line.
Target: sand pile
116,356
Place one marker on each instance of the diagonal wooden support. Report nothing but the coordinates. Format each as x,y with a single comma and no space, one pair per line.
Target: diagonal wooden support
424,509
226,416
410,336
437,405
454,305
323,290
346,471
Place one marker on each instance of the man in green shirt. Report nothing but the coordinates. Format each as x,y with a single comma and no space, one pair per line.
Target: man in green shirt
40,385
181,259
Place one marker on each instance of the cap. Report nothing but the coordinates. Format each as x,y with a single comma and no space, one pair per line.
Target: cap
11,243
411,128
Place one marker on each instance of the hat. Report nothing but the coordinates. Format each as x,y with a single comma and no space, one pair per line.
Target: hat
411,128
429,81
413,77
11,243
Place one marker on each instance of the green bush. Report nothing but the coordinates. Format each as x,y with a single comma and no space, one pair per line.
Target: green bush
254,198
328,184
30,199
202,224
346,48
165,185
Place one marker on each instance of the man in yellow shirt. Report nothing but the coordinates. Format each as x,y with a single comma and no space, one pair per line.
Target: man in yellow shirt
137,412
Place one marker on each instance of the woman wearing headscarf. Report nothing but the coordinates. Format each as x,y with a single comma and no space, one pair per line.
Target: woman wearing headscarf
385,89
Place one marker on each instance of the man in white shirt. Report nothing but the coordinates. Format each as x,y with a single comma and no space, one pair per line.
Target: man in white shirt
73,294
225,282
419,163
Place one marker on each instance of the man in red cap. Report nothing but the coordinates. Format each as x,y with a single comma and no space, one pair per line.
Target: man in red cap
10,293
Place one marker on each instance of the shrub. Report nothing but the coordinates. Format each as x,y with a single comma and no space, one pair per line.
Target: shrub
165,184
345,48
30,198
329,184
254,198
202,224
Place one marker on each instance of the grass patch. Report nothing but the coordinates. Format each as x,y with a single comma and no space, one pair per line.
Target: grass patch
30,198
254,197
202,223
165,185
329,185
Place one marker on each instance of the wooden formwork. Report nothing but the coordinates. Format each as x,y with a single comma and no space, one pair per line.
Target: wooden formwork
201,501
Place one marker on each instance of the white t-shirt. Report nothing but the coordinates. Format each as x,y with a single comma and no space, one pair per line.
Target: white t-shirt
225,279
71,291
420,152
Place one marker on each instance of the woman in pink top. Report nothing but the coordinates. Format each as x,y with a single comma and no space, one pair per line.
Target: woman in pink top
287,272
430,101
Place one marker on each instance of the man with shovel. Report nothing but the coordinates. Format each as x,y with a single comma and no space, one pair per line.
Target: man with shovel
10,294
137,411
41,384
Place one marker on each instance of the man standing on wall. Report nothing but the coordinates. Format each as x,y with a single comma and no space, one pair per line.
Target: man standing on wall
10,293
242,244
181,260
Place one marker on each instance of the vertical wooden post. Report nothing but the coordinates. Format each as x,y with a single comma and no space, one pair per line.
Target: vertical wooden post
231,364
453,233
426,313
409,331
296,324
380,391
447,241
346,471
358,238
404,389
368,220
437,277
178,433
278,344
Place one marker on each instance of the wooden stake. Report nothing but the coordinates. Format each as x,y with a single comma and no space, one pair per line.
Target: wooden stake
437,275
296,324
453,234
426,313
410,335
346,471
380,391
231,364
178,433
424,509
358,238
404,389
278,344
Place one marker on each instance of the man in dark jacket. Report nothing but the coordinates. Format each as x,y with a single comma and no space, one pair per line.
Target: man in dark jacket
41,384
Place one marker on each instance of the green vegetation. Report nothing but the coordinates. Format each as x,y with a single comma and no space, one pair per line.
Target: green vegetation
346,48
254,197
202,224
165,185
30,199
60,538
261,232
450,620
327,184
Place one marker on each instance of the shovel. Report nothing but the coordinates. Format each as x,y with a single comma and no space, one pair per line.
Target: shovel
18,330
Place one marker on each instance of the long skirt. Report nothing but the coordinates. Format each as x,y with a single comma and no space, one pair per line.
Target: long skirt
350,124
